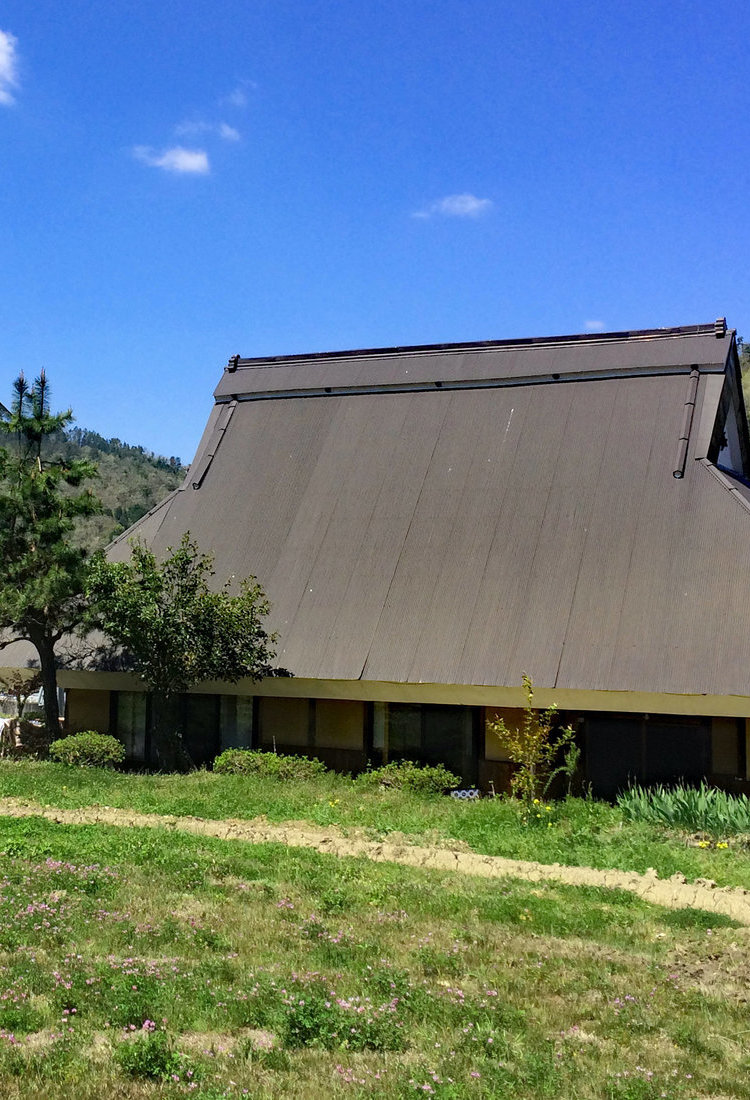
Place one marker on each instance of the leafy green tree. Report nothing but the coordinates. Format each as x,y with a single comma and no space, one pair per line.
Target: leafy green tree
42,576
177,630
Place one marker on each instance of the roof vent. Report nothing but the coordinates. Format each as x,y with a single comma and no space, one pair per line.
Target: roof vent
234,362
720,327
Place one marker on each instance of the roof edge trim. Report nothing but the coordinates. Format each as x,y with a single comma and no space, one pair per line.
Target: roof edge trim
201,464
128,532
726,483
467,383
675,332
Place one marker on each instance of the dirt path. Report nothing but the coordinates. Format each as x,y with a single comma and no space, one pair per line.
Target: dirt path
673,893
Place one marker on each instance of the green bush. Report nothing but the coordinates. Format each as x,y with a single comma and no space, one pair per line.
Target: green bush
405,775
268,765
88,750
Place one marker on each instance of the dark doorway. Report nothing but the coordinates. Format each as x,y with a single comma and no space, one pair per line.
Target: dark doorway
625,749
200,728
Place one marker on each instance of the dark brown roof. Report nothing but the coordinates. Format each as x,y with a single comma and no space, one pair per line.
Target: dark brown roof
510,362
467,532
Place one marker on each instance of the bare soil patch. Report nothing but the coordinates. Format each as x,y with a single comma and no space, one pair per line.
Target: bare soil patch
721,970
672,893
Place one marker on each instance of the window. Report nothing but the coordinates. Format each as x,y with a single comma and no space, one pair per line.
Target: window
284,723
428,734
236,721
130,720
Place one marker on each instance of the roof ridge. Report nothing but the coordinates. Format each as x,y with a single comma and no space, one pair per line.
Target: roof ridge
519,343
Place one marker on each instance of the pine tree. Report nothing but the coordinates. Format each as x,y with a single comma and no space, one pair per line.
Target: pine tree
42,575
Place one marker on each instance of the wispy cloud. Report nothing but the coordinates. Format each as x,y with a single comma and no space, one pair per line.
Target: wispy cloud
181,161
238,96
594,326
196,127
8,67
456,206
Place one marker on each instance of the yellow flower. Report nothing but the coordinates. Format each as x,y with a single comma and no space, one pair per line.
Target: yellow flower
721,844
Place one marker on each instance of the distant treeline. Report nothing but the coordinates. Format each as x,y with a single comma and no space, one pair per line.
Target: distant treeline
83,437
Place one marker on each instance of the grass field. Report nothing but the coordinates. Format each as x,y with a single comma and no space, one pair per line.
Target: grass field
576,832
140,963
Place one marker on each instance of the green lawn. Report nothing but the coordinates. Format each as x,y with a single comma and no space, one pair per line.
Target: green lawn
147,963
576,832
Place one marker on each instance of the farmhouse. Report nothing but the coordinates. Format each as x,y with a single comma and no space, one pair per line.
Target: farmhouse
431,522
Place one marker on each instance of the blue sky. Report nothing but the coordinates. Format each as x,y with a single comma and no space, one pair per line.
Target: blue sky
181,181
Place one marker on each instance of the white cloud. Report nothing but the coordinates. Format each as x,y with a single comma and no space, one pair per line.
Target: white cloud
8,67
594,326
195,162
456,206
182,161
238,96
192,127
196,127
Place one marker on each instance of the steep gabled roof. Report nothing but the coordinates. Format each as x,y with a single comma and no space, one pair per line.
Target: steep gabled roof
459,514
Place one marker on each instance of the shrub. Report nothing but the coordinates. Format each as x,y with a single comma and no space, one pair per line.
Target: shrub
534,747
90,750
268,765
405,775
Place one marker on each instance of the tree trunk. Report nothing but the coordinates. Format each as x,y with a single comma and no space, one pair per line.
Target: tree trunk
45,647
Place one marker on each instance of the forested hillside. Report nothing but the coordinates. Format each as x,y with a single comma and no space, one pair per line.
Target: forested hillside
131,481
